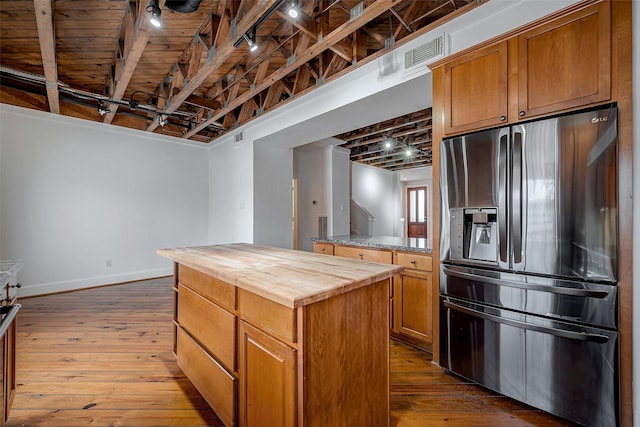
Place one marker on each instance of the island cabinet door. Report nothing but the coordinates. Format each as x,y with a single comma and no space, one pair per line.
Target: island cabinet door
267,375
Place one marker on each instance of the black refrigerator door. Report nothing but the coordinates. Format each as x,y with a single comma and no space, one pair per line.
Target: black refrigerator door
564,196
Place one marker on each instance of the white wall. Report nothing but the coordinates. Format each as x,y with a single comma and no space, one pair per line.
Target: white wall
231,193
340,193
375,189
77,193
322,171
272,195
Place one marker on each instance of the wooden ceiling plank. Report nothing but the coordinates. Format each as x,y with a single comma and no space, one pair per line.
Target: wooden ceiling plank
222,53
409,15
46,36
273,96
368,14
138,38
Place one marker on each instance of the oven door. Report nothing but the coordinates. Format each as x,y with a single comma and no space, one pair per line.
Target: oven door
566,369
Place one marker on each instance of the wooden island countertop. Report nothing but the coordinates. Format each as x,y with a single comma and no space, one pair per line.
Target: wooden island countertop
289,277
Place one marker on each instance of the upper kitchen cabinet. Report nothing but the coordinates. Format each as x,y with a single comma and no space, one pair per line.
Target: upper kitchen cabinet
476,89
534,71
565,63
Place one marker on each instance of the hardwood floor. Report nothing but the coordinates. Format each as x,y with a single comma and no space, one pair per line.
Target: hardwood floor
102,357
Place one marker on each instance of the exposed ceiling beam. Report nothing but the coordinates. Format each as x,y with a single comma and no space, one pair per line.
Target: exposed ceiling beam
136,37
222,53
369,13
46,35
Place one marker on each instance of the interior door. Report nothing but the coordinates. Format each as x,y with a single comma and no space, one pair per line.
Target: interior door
417,211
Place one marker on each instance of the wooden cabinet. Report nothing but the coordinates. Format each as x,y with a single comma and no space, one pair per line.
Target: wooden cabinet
259,362
373,255
411,309
550,68
268,380
412,312
565,63
323,248
476,89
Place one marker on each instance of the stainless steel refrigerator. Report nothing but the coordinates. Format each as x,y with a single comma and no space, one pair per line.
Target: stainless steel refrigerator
529,251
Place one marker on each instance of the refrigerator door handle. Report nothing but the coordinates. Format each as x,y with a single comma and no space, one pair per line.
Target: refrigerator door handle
562,290
579,336
502,198
516,201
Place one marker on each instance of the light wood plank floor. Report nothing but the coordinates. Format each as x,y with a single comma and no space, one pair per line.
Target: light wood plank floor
102,357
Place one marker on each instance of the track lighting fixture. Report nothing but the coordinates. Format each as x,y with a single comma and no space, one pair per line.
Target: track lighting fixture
155,10
162,120
293,9
250,38
102,110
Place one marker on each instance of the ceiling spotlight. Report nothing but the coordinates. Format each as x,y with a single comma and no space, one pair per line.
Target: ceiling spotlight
102,110
387,144
408,152
154,8
251,40
293,9
163,121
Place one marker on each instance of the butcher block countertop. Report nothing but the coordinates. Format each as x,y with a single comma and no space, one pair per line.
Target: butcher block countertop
289,277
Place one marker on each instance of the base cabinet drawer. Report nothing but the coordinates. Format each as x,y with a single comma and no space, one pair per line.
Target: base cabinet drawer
210,324
373,255
217,386
214,289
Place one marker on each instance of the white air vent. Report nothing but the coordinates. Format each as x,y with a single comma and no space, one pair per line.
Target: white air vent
238,137
429,50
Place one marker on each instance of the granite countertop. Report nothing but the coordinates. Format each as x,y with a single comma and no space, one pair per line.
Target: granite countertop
408,244
289,277
8,269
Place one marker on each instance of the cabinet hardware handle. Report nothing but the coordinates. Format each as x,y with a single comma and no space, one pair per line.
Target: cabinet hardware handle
503,118
521,113
18,285
360,255
322,249
413,261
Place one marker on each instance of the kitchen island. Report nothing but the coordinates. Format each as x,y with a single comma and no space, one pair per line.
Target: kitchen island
272,336
412,302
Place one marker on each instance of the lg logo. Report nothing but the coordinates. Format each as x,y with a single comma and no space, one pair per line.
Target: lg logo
599,119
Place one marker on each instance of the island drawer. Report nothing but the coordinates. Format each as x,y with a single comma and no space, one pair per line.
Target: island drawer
323,248
374,255
210,324
214,289
414,260
217,386
271,317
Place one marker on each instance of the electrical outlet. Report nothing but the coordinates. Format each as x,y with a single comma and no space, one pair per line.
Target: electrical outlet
109,263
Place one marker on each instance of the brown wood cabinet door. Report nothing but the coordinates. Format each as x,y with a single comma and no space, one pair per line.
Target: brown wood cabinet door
412,312
565,63
267,376
476,89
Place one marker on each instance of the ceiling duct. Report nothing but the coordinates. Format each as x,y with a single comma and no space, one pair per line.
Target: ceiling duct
183,6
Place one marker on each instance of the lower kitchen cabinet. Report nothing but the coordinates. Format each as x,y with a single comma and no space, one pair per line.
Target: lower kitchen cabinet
411,299
258,362
412,312
268,379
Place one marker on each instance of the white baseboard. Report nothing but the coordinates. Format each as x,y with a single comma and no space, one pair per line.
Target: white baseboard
90,282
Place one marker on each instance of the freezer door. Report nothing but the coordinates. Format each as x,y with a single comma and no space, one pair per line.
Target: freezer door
568,370
564,196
